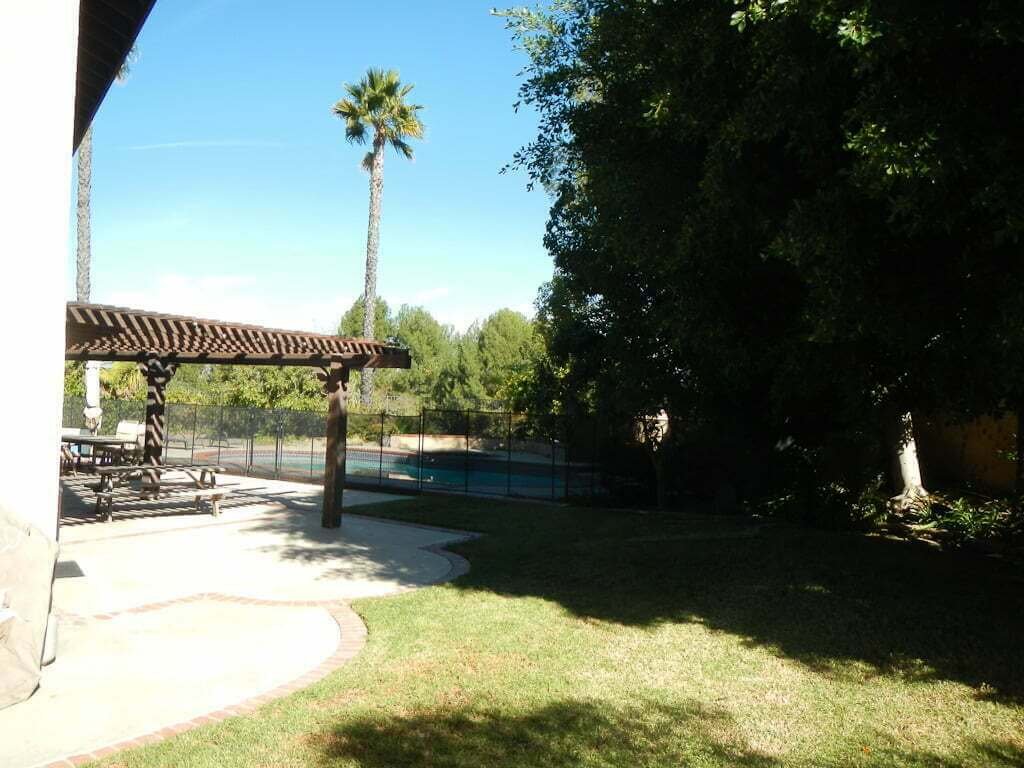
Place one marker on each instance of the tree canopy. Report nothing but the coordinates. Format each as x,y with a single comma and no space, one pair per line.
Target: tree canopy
781,222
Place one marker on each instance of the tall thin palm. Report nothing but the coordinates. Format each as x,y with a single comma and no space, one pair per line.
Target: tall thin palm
377,104
83,254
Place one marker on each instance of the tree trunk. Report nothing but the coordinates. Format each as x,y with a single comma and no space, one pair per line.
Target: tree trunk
905,467
83,260
372,246
1018,486
93,412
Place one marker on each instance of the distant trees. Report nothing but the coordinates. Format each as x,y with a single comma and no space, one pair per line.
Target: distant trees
786,224
377,105
480,368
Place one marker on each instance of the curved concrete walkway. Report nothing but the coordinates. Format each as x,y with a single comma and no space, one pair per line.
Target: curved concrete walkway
169,621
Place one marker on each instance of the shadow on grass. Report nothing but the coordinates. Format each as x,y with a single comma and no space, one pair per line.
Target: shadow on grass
573,733
563,734
844,604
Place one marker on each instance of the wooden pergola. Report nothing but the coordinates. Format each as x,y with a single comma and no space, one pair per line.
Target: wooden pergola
159,343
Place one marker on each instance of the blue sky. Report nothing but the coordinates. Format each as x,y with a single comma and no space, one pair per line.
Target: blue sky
223,186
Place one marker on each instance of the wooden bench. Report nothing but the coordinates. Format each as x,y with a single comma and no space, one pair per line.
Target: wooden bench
214,495
202,476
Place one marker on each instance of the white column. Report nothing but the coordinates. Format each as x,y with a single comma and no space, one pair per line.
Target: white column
93,412
38,55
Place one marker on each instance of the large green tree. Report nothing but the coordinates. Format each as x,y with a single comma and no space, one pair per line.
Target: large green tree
787,224
508,346
376,108
431,346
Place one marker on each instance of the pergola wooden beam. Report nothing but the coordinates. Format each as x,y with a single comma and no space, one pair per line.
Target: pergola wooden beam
99,332
160,342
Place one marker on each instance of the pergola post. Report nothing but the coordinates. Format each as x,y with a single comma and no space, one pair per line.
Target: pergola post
335,380
158,373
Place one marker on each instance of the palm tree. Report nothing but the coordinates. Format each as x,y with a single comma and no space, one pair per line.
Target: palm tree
83,256
377,103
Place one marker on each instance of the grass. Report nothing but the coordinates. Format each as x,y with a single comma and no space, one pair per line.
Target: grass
589,638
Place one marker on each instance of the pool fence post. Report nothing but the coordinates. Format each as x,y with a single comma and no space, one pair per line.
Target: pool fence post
278,437
508,464
552,465
419,471
466,462
565,454
220,432
252,442
380,469
195,421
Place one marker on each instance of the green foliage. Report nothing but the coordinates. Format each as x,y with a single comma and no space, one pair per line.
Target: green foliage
123,381
351,323
781,224
971,517
74,379
378,102
267,387
460,383
431,346
508,347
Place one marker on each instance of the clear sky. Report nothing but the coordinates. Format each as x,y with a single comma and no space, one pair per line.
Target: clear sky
223,186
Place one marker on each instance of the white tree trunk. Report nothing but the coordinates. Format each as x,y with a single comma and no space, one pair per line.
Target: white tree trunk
906,469
372,247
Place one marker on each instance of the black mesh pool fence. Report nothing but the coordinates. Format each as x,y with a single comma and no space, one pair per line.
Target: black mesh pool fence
496,453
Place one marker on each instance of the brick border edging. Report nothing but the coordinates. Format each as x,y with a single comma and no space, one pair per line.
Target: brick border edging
352,639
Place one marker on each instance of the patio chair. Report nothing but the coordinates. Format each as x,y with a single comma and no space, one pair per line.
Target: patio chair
72,459
68,461
130,431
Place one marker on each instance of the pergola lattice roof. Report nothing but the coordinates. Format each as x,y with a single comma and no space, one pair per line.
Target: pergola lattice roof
99,332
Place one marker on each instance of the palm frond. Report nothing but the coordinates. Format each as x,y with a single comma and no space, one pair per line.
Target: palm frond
130,59
378,102
402,148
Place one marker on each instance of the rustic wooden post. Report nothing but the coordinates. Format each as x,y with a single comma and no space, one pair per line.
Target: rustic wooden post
158,372
335,381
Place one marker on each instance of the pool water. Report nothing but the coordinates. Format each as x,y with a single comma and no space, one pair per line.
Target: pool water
483,474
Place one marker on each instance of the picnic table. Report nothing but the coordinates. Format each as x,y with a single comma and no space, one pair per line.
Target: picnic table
104,447
100,441
203,477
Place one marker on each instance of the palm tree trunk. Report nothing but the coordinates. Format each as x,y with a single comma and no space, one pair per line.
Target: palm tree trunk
93,413
84,254
372,246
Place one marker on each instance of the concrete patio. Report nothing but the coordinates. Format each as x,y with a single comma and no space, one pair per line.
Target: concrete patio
169,615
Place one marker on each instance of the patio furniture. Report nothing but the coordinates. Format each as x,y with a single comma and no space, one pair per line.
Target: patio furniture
203,478
102,447
132,435
68,461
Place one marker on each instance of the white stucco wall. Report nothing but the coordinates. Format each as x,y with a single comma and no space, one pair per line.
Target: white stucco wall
38,53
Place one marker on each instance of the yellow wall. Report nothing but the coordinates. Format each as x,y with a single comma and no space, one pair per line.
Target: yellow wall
977,451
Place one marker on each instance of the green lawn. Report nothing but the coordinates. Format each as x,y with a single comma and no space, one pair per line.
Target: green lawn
585,638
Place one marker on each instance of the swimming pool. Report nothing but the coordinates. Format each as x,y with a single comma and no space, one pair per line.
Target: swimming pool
454,471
